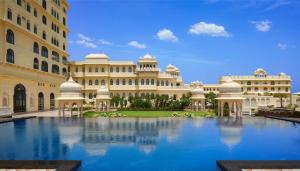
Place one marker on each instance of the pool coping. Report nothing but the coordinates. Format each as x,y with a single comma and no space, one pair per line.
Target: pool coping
295,120
58,165
5,120
238,165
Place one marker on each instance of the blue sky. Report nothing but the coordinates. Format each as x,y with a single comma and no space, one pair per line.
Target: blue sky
204,39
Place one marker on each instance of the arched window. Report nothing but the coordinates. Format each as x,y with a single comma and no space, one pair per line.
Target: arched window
152,81
44,52
19,21
96,82
123,69
102,69
167,83
130,82
9,14
35,12
52,101
102,82
111,69
55,56
35,63
111,82
10,38
44,66
55,69
124,82
44,20
44,35
142,82
90,82
162,83
10,56
4,102
28,25
44,4
117,82
36,48
64,60
147,82
64,71
157,83
129,69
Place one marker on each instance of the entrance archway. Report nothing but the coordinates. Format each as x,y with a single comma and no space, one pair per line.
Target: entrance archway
19,98
226,109
52,102
41,101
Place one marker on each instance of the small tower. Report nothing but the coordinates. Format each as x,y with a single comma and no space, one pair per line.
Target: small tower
103,99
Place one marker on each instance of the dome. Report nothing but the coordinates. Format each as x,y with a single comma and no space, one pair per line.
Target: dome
102,91
197,90
70,86
282,74
170,66
97,55
229,86
260,71
148,56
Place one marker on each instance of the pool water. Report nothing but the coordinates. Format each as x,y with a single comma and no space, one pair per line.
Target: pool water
160,144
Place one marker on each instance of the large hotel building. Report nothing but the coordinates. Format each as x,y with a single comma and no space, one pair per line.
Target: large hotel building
34,62
33,56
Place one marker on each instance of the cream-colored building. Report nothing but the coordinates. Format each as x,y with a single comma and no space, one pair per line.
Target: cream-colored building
33,56
262,83
125,78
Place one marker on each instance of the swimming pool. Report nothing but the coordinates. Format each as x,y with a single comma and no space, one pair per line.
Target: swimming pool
149,143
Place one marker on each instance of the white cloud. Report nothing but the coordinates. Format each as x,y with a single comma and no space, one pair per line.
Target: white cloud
203,28
166,35
282,46
137,45
263,26
105,42
85,41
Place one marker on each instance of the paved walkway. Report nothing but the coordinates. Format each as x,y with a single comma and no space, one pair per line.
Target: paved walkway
52,113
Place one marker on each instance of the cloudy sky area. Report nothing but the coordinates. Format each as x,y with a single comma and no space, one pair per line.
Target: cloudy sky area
204,39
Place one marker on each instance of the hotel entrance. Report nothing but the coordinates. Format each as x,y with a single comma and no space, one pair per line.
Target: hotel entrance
19,98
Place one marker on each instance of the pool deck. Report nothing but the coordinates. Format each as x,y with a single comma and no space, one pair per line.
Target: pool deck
271,165
297,120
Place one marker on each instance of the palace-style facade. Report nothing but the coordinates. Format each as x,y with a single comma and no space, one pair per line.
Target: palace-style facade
33,56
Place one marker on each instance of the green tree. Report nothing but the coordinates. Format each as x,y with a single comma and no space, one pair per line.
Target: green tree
210,100
281,96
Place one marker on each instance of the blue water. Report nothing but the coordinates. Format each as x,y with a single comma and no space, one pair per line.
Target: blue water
158,144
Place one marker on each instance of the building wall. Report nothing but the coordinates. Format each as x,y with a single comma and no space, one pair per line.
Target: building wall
27,30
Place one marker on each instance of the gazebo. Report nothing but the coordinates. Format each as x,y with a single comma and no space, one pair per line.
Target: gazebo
198,98
103,99
70,95
230,99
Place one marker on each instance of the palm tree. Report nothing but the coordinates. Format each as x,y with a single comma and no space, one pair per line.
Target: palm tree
281,96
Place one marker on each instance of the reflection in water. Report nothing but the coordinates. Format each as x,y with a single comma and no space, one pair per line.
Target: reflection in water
55,138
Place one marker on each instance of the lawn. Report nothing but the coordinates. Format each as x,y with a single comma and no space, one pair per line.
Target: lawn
92,114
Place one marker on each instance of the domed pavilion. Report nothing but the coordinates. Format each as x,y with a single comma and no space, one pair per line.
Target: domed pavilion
198,98
230,99
103,99
71,96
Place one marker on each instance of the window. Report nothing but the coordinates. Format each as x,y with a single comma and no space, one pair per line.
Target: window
248,82
35,29
96,82
162,83
76,69
28,25
147,82
111,82
130,82
111,69
28,8
124,82
90,95
83,82
64,34
96,69
64,20
167,83
9,14
44,35
64,71
90,69
10,38
117,82
19,2
10,56
44,20
152,81
102,82
44,4
55,56
35,12
102,70
123,69
44,66
90,82
55,69
44,52
64,46
64,60
129,69
35,63
117,69
142,82
19,20
272,82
